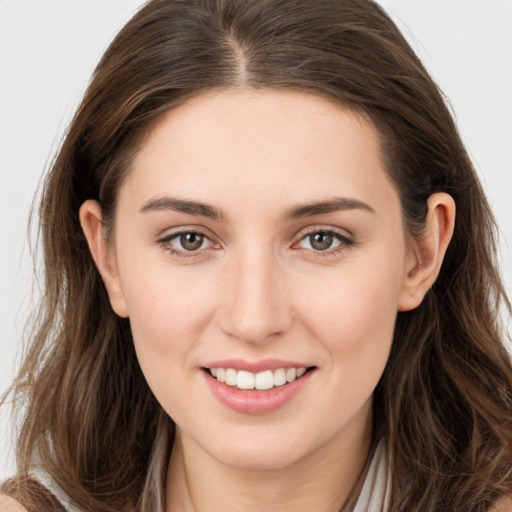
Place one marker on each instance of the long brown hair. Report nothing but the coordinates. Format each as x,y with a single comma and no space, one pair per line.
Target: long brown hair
443,404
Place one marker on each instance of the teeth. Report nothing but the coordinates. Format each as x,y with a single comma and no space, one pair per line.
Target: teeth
291,374
279,377
263,380
231,377
245,380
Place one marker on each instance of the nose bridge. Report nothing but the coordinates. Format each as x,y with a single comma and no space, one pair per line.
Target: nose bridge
256,306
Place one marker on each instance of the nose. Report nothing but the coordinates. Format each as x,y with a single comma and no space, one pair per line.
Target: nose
256,306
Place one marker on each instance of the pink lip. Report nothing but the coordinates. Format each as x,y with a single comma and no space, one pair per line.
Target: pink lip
255,402
255,366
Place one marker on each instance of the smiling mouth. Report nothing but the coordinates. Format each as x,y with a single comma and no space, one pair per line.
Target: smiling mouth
260,381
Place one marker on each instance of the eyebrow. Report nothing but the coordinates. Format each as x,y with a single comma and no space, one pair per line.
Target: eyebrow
182,206
329,206
297,212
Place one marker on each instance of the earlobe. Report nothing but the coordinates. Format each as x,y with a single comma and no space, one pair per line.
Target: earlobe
103,255
427,252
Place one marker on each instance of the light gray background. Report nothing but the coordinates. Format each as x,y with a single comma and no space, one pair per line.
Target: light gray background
48,49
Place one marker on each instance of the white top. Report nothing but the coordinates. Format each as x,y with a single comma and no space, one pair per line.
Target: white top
376,491
374,496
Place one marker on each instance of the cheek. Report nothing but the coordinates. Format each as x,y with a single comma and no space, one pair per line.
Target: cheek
353,315
352,323
167,311
356,301
168,308
165,305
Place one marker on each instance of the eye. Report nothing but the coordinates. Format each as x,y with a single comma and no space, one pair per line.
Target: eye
186,242
324,241
191,241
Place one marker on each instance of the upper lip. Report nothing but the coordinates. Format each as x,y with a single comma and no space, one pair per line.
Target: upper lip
255,366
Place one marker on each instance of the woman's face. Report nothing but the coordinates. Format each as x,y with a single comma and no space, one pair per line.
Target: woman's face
257,233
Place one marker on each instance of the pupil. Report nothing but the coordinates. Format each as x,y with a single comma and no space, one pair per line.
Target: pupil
191,241
321,241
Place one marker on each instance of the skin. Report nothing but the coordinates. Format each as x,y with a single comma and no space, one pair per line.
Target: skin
8,504
258,289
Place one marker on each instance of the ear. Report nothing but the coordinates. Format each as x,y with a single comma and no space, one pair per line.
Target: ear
103,254
426,253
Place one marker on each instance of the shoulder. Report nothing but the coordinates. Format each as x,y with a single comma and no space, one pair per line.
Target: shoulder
8,504
502,505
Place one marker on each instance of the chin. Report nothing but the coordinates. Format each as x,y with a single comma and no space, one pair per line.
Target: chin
252,452
259,460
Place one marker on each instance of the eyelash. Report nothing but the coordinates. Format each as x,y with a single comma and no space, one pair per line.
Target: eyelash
345,242
165,242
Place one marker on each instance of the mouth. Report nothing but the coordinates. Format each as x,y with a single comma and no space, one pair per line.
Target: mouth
261,381
257,387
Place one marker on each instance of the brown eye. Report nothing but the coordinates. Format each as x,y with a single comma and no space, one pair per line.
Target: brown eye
191,241
187,244
321,241
326,241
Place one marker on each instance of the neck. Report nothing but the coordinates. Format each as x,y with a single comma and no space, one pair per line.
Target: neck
320,481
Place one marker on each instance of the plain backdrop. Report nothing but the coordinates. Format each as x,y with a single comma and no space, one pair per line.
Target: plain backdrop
48,49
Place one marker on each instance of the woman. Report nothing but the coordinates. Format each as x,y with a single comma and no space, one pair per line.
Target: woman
271,280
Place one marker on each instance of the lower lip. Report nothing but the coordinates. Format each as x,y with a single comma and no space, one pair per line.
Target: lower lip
256,402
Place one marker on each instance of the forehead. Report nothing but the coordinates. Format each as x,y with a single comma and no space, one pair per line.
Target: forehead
246,145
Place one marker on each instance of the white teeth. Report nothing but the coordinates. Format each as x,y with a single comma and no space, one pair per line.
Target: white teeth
262,381
291,374
231,377
279,377
245,380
